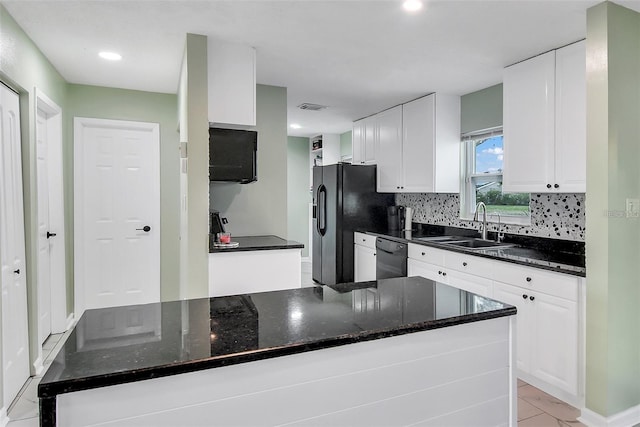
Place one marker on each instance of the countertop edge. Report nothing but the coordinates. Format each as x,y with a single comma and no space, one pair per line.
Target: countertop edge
450,248
128,376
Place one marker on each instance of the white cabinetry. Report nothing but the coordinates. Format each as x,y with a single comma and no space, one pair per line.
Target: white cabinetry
388,143
545,122
232,83
548,332
244,272
549,336
418,146
364,134
364,257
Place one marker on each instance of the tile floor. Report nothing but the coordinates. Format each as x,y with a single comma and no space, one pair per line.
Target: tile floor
535,408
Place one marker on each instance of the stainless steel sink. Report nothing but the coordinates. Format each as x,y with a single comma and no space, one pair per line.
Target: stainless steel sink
442,239
478,244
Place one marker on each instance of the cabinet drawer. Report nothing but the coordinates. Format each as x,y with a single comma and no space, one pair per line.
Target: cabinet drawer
365,240
469,264
426,254
555,284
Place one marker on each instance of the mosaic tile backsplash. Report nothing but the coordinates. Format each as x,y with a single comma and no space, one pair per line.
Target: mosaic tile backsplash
556,216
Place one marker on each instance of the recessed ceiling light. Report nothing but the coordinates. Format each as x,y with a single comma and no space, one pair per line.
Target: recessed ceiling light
295,126
111,56
412,5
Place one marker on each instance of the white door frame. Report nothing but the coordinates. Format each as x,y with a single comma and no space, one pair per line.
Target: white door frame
59,320
79,123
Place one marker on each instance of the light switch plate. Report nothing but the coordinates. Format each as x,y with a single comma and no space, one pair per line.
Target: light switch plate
633,208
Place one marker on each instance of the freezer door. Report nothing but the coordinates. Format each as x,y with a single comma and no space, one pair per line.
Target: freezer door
329,211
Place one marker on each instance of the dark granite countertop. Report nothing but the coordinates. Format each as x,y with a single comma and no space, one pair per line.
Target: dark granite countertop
185,336
256,243
558,256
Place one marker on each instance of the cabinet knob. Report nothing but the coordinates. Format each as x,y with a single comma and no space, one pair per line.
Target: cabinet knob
444,273
528,279
548,185
524,296
439,272
464,264
423,254
532,297
16,271
556,186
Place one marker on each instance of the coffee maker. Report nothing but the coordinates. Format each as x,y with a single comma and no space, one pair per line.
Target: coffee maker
399,218
216,223
395,218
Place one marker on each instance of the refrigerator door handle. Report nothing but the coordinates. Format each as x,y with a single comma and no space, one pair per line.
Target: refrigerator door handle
322,210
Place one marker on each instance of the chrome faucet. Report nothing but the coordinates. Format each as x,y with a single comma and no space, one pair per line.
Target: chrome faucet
484,218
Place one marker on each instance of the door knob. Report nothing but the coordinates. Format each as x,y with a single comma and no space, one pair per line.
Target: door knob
146,229
50,235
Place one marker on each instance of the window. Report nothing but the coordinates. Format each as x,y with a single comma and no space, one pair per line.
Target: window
482,181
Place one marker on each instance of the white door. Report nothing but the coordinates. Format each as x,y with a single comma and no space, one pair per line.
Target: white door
15,338
418,153
117,213
44,234
364,263
51,268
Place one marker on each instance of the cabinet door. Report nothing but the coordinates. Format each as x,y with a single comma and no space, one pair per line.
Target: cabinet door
418,154
389,150
571,119
369,142
515,296
554,357
529,125
357,145
364,263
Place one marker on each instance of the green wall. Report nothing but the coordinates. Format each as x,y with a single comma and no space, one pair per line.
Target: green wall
260,207
346,144
613,239
481,110
121,104
24,68
298,194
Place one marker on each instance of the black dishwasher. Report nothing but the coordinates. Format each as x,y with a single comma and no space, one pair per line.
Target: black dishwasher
391,259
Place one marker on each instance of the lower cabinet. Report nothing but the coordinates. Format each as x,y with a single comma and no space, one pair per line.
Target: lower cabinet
549,334
364,257
244,272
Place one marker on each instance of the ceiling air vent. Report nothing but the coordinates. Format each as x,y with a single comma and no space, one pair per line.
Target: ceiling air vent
311,107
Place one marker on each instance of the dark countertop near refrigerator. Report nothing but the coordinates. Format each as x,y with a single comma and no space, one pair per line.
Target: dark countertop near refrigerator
561,256
256,243
244,328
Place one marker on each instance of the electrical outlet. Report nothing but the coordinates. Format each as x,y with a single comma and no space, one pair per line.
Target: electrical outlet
633,208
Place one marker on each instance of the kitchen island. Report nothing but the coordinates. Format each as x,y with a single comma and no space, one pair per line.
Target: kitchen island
388,352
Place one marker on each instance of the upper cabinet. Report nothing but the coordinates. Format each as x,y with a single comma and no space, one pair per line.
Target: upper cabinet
232,83
545,123
364,134
418,146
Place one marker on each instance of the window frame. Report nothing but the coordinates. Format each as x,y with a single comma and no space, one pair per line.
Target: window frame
467,185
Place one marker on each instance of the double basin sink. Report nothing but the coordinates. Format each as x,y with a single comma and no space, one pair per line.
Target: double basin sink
468,243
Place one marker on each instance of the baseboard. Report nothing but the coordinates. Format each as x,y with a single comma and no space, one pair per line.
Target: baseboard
70,321
38,366
627,418
4,420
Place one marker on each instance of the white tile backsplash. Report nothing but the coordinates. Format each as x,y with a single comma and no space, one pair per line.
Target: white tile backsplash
557,216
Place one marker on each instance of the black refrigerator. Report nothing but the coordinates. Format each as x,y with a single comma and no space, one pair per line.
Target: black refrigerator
344,201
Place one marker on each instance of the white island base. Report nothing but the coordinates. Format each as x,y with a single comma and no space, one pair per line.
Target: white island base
458,375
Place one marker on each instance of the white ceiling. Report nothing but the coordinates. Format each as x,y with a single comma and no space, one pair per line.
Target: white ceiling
355,56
